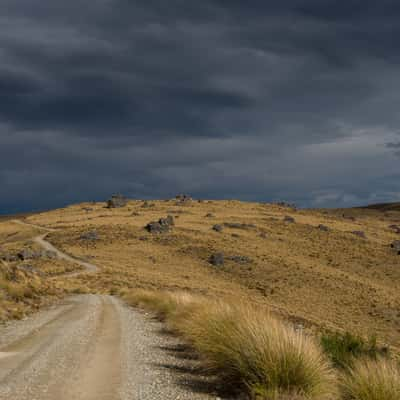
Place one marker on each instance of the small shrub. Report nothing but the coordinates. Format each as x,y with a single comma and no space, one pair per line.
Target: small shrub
344,348
372,380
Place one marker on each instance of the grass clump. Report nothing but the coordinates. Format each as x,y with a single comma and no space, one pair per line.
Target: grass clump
372,380
246,346
343,348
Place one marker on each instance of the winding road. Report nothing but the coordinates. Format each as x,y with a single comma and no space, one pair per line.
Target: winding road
92,347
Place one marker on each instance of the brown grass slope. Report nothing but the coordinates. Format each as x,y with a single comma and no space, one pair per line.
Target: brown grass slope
331,279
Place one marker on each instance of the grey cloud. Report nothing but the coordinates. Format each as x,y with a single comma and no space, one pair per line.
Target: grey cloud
220,98
392,145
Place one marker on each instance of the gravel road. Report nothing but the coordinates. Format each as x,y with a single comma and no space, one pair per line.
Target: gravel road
92,347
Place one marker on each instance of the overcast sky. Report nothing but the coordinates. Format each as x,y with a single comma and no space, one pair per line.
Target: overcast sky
294,100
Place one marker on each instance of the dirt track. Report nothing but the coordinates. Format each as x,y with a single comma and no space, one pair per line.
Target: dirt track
91,347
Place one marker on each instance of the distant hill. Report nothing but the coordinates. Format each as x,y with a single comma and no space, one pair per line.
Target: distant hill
5,217
384,206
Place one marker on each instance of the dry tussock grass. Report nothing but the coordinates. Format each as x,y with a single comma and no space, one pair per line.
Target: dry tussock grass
245,346
249,348
372,380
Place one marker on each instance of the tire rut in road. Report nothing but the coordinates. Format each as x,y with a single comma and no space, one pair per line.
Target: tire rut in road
74,357
22,351
99,373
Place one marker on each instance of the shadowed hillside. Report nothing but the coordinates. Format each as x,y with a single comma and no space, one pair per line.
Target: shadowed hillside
384,207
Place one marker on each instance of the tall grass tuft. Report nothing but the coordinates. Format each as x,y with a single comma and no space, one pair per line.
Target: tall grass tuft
372,380
247,347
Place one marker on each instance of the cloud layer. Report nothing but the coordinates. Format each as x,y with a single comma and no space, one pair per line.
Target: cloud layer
294,101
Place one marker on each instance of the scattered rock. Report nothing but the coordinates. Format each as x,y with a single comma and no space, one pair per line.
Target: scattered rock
156,227
361,234
395,228
238,225
235,235
91,235
209,215
169,220
263,235
183,199
286,204
28,254
135,214
87,209
349,217
289,219
396,246
161,226
217,228
240,259
323,228
116,201
217,259
9,257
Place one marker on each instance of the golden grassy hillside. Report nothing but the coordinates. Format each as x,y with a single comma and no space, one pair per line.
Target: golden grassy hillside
333,279
26,285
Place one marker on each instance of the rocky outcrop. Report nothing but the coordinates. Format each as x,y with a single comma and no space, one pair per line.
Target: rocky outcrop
240,259
395,228
396,246
28,254
117,201
360,234
163,225
218,228
91,235
182,199
238,225
289,219
217,259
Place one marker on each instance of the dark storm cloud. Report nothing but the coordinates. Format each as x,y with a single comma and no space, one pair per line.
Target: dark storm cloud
395,146
220,98
392,145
